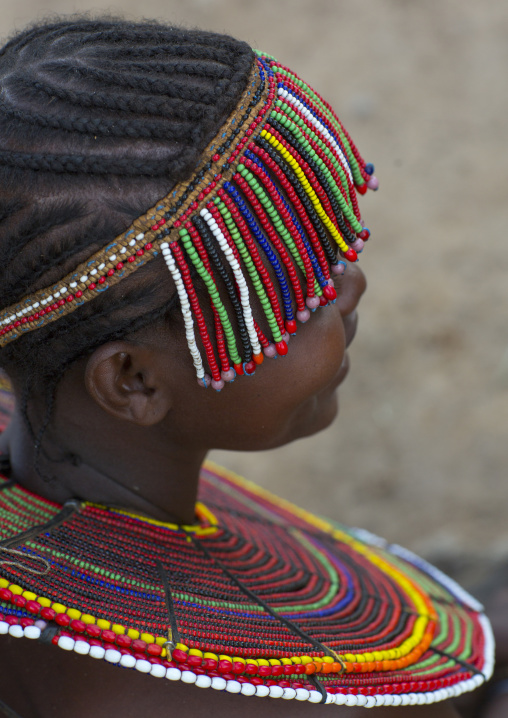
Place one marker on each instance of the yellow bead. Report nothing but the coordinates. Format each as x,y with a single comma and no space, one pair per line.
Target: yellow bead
328,659
116,628
147,638
212,656
29,595
45,602
160,640
16,590
239,659
3,583
296,660
59,607
286,661
274,662
181,647
103,624
306,659
87,618
132,633
262,662
195,652
74,614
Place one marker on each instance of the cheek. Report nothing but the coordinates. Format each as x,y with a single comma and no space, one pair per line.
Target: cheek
287,398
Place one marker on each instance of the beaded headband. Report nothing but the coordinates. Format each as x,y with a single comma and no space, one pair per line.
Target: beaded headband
276,187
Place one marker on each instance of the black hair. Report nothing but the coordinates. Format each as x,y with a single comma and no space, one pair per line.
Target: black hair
98,120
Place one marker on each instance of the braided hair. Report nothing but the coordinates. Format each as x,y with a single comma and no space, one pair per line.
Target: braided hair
98,119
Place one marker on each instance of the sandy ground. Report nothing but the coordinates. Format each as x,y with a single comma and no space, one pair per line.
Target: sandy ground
419,451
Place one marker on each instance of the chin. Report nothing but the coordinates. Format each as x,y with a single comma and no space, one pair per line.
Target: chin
320,417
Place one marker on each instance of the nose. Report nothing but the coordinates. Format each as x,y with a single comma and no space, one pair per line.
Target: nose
350,287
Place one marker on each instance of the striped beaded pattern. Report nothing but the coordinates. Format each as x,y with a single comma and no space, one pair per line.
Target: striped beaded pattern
275,192
265,599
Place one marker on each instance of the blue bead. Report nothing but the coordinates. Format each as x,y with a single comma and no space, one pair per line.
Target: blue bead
369,168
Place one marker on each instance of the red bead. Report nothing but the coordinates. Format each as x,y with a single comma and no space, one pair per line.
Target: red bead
299,669
257,681
102,280
282,348
47,613
225,666
78,626
288,670
351,255
249,367
140,252
330,293
153,649
362,189
154,227
33,606
291,326
54,640
5,594
70,298
161,221
92,286
25,622
364,234
93,630
265,670
238,667
180,655
110,273
79,294
119,265
19,601
131,259
139,645
149,246
216,158
195,661
17,324
251,669
323,301
210,664
62,619
238,369
123,641
277,670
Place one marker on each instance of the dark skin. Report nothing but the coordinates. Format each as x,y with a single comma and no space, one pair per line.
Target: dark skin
135,404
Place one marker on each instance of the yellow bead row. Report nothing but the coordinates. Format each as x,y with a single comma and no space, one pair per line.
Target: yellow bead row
307,187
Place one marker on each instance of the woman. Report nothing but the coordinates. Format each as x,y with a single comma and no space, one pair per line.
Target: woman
105,552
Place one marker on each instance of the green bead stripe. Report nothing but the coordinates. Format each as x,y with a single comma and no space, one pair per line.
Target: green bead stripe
353,162
214,294
303,141
277,220
251,268
309,132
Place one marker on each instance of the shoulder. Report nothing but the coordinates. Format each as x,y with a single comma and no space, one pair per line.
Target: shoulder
40,681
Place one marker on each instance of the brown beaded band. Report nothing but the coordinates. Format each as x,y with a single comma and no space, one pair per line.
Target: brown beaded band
141,242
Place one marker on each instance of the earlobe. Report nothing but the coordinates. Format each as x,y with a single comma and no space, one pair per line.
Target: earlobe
122,379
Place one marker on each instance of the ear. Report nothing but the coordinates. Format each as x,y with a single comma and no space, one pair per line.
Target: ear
122,379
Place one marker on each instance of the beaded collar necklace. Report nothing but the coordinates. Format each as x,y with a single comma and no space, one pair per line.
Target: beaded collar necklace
276,188
259,598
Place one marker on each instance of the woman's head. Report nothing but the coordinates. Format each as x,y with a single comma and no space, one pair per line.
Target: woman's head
100,120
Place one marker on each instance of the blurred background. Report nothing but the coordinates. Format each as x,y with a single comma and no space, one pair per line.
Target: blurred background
419,452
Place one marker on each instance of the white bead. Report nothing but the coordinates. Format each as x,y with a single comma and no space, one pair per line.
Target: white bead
233,686
340,699
421,699
405,699
371,702
315,697
41,624
128,661
203,681
66,642
262,691
140,236
16,631
248,689
413,699
43,302
132,243
173,674
218,684
158,671
101,267
93,272
72,285
64,290
36,305
330,698
82,647
4,628
351,700
380,700
188,677
57,294
123,250
361,700
112,655
83,278
302,694
164,245
289,694
32,632
388,700
143,666
112,258
97,652
276,692
397,700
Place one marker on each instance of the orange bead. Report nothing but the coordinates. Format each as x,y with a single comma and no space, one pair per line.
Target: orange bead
310,668
259,358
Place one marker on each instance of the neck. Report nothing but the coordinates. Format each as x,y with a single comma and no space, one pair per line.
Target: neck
139,469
